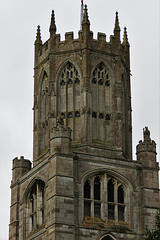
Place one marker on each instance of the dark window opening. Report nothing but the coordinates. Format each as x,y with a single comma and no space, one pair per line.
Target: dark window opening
87,189
77,80
99,74
101,67
107,76
107,83
87,209
71,74
108,117
107,238
69,115
70,81
67,74
110,191
97,186
101,115
120,213
62,83
69,66
120,194
100,82
77,114
111,212
97,210
94,114
94,81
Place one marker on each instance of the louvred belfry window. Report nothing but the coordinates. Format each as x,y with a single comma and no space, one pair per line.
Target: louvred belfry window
101,103
69,98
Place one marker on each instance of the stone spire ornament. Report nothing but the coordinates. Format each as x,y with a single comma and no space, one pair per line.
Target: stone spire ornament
117,28
125,37
85,16
53,25
38,36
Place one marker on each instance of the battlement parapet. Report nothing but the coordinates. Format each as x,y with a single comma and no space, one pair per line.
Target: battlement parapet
20,167
76,44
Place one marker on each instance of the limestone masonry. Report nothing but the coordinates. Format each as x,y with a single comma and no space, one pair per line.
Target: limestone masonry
84,184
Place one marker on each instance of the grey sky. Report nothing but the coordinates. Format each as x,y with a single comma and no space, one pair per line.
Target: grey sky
18,24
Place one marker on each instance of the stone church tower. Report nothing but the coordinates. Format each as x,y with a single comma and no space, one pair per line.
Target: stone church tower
84,184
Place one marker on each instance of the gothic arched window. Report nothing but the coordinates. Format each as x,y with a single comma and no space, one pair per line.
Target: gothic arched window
97,197
43,134
69,98
101,102
35,207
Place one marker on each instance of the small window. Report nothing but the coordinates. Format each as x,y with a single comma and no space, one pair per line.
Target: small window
69,115
94,114
101,115
77,114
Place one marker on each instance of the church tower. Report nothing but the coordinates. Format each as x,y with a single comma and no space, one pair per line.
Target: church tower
84,184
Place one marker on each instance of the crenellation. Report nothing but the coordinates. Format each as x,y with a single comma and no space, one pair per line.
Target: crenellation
69,37
101,36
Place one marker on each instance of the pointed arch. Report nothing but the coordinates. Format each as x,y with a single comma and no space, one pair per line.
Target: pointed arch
101,84
108,237
43,109
116,197
34,198
68,88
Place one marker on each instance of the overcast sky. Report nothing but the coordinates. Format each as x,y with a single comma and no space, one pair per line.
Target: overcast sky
18,24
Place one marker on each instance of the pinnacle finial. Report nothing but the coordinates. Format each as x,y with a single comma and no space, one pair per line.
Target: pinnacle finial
85,16
38,37
146,134
52,25
117,27
125,37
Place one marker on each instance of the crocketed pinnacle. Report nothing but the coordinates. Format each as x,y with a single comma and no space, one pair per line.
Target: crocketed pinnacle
125,37
52,25
117,27
85,16
38,37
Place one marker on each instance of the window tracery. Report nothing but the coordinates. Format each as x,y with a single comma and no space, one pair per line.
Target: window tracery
112,199
101,76
69,98
101,103
35,207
